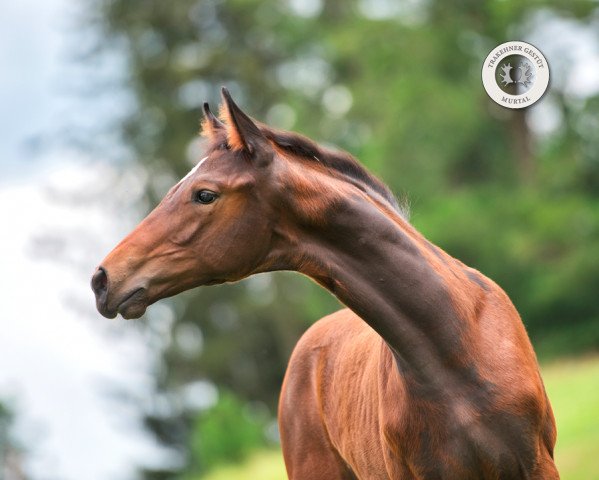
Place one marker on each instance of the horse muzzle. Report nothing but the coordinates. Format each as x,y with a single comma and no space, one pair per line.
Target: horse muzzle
110,302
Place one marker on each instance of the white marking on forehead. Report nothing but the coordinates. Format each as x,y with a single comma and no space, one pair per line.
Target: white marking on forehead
193,170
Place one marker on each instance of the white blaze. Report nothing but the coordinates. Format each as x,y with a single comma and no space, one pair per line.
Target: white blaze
193,170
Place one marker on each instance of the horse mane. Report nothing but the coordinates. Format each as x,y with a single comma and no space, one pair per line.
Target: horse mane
300,146
338,160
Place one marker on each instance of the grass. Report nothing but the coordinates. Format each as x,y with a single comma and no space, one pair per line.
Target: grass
263,465
573,388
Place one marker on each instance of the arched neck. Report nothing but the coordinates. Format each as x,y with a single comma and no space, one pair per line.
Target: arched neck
420,300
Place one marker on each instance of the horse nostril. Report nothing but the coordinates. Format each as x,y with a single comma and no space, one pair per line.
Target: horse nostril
100,282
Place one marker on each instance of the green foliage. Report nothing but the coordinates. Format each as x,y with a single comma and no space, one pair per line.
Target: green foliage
226,433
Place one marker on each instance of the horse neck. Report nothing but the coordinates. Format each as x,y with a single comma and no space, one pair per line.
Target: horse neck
420,300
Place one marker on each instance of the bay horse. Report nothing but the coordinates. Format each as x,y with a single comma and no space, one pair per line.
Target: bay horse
429,372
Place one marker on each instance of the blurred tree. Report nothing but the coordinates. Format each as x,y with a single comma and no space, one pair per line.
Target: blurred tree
11,453
397,84
225,433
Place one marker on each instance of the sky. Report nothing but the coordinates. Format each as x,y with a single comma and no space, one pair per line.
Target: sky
61,363
31,54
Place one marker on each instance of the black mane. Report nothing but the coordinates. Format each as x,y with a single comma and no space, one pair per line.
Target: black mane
339,161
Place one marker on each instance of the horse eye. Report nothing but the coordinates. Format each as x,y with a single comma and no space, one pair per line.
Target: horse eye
204,196
224,146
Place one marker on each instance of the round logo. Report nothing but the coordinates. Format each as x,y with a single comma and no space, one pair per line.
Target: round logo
515,74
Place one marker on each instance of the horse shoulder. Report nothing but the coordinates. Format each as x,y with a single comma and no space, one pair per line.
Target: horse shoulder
332,382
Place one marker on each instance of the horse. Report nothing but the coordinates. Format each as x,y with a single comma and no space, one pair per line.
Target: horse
427,374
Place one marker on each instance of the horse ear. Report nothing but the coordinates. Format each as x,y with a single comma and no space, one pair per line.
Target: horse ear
210,124
242,133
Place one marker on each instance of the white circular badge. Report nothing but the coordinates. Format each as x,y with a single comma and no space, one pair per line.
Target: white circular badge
515,74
